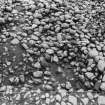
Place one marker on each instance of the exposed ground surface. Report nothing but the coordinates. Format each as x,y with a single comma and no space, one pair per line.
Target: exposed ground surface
52,52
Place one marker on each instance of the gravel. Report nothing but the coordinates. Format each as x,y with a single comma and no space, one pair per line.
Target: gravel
37,34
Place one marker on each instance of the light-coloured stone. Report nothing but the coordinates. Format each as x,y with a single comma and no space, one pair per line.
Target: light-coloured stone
58,98
102,86
50,51
37,74
63,103
72,99
2,20
101,65
18,97
90,95
57,103
85,101
47,95
37,65
48,101
68,103
63,92
101,100
93,52
90,75
34,37
68,85
3,104
15,41
55,59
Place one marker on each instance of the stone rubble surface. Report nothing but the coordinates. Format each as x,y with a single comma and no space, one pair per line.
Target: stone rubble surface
52,52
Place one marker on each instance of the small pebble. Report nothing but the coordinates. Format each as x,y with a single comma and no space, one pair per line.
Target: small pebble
49,51
37,65
37,74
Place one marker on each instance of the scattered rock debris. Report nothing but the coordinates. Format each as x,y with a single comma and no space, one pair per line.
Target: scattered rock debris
54,46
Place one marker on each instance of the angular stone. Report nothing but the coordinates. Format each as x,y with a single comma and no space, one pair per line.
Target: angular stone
50,51
90,75
34,37
101,65
37,81
63,103
48,87
102,87
37,65
85,101
103,79
57,103
2,20
37,74
63,92
55,59
93,52
90,95
48,101
15,41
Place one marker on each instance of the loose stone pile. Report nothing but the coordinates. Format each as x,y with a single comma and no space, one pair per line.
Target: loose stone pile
36,34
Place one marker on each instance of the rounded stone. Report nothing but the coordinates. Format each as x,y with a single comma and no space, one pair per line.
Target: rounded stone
37,74
101,65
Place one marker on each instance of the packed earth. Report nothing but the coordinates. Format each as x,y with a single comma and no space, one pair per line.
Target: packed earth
52,52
